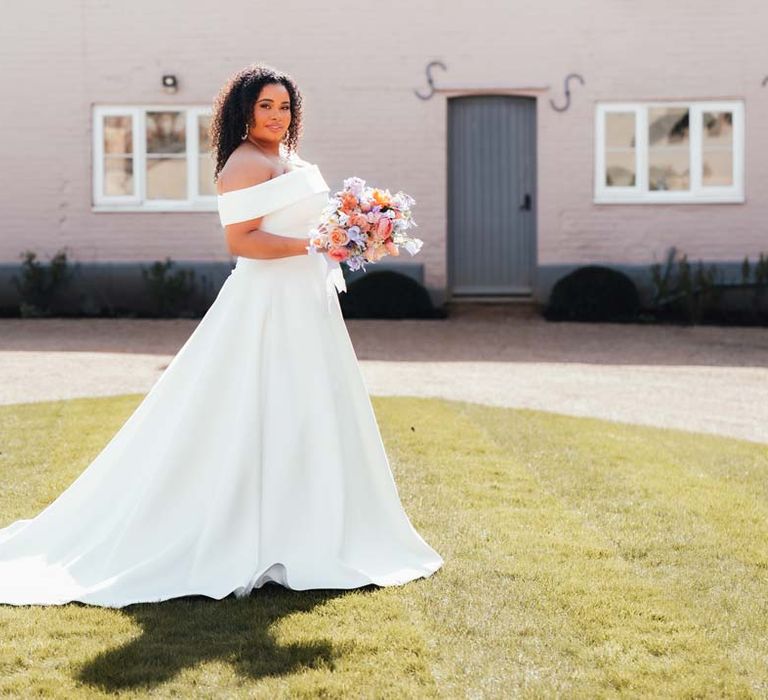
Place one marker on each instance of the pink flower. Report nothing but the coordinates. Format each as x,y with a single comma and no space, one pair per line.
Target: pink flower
338,254
383,229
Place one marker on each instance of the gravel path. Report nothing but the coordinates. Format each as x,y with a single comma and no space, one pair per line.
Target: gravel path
704,379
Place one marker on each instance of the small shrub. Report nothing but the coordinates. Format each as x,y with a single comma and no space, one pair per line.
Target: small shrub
387,294
171,292
39,283
593,293
757,275
756,278
685,292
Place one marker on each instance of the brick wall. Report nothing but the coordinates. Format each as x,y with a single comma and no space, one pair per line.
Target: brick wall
357,65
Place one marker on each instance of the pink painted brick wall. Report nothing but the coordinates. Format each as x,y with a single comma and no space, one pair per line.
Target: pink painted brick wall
362,117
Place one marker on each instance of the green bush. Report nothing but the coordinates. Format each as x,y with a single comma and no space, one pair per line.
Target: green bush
40,284
593,293
171,292
756,278
387,294
683,291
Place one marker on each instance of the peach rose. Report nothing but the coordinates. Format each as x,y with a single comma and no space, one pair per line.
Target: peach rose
338,236
361,221
375,253
392,249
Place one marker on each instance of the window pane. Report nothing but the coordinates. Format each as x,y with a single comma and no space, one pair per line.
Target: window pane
620,130
118,134
205,182
717,168
620,169
166,132
668,148
203,125
717,149
166,178
620,149
118,176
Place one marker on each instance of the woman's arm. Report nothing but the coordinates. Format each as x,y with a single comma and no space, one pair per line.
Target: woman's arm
246,240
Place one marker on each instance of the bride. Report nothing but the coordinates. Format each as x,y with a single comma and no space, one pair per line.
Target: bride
256,455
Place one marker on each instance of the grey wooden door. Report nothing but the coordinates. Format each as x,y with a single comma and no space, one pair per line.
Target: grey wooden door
491,194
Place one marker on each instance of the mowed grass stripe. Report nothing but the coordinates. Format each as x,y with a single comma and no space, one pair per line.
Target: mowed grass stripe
44,446
566,610
676,510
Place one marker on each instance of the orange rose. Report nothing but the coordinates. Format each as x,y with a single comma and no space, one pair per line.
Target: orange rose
348,203
381,198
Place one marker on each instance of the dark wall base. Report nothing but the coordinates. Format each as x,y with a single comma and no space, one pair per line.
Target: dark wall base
548,275
118,288
105,288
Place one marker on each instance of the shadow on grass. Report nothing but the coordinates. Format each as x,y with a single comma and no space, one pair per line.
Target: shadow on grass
179,634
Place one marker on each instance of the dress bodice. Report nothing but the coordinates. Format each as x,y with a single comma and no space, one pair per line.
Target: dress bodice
290,203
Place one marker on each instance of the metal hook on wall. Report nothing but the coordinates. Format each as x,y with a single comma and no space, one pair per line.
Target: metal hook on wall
430,80
568,78
765,80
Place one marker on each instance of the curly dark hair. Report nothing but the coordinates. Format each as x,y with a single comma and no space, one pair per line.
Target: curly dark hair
233,107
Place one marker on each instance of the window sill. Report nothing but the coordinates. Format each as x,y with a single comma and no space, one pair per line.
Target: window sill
135,208
672,199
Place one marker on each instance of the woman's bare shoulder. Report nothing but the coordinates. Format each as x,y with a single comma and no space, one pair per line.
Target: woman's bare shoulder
244,168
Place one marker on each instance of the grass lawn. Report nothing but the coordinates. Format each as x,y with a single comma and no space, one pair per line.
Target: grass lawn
583,558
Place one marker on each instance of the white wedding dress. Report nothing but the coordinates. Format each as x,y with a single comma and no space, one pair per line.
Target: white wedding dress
255,456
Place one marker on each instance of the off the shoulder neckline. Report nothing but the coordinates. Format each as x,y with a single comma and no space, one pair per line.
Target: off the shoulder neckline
272,179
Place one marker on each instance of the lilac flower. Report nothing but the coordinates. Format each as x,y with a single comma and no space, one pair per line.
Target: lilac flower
355,185
355,262
355,234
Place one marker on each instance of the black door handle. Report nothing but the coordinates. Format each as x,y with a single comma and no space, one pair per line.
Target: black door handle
526,202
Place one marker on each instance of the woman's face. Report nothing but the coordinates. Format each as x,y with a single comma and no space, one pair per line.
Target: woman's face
271,113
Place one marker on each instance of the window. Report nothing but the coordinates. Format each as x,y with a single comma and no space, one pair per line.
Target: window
669,152
152,159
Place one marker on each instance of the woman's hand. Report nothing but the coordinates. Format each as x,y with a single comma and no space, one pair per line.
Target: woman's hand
320,244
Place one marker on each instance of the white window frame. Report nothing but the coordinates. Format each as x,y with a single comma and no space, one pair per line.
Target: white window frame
137,202
698,193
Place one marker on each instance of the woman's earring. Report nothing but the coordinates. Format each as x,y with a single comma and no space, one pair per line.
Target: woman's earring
245,135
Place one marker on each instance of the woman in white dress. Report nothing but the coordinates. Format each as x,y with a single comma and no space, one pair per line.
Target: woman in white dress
256,455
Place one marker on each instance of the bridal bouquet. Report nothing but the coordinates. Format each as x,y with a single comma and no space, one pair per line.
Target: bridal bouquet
363,224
